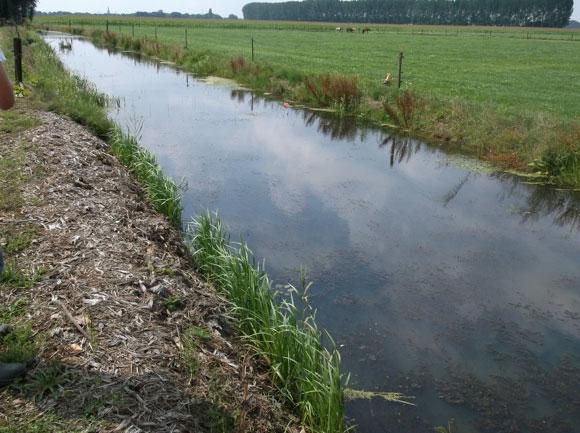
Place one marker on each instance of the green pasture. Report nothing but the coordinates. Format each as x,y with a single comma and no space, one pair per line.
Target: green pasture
515,70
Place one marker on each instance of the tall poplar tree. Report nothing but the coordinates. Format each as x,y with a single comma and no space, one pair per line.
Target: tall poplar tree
538,13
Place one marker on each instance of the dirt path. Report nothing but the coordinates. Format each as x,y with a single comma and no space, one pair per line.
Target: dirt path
129,338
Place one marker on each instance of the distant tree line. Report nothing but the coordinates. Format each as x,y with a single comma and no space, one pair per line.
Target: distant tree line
16,11
533,13
157,14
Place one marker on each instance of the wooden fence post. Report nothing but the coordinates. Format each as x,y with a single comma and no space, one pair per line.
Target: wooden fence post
18,59
400,78
155,31
252,48
107,26
133,30
186,37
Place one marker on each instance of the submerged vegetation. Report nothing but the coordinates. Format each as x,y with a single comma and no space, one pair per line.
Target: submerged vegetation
287,337
463,88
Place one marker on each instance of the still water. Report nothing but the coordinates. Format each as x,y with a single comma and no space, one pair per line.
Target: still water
437,278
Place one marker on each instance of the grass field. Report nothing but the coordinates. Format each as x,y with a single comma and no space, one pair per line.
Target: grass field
504,94
507,69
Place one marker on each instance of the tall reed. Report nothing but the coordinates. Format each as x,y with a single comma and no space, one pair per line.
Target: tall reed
286,336
161,191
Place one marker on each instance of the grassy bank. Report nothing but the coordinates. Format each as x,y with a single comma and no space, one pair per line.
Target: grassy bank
288,342
502,95
287,338
57,90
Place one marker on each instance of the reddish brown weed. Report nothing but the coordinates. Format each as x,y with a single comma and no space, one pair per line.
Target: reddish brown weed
237,64
334,89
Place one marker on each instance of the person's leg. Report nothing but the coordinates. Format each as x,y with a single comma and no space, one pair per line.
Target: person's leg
8,371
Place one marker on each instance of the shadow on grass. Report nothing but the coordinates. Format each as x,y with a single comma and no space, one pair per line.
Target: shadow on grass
154,401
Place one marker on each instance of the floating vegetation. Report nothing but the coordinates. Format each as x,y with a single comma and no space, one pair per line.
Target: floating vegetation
396,397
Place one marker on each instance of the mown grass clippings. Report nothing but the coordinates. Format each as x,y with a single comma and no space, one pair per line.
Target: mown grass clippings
396,397
150,393
286,337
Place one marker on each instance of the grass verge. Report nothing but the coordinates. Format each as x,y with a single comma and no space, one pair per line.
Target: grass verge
287,338
56,89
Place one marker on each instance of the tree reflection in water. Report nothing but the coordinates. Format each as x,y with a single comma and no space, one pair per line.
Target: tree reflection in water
330,125
401,148
562,206
238,95
541,201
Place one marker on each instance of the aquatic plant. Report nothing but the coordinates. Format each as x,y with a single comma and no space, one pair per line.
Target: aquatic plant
237,64
402,112
162,192
332,90
306,372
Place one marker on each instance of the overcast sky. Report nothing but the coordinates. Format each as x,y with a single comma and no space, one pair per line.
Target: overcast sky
221,7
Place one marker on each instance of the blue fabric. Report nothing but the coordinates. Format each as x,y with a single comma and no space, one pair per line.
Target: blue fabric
2,57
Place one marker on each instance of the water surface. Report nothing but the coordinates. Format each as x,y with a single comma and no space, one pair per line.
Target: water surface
451,284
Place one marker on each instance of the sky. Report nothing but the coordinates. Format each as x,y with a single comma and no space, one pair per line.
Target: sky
221,7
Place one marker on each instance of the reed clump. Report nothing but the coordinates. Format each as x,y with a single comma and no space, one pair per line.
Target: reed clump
562,162
286,336
332,90
237,64
403,111
161,191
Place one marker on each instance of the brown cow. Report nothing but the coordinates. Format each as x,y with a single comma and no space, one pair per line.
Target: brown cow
366,30
350,30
